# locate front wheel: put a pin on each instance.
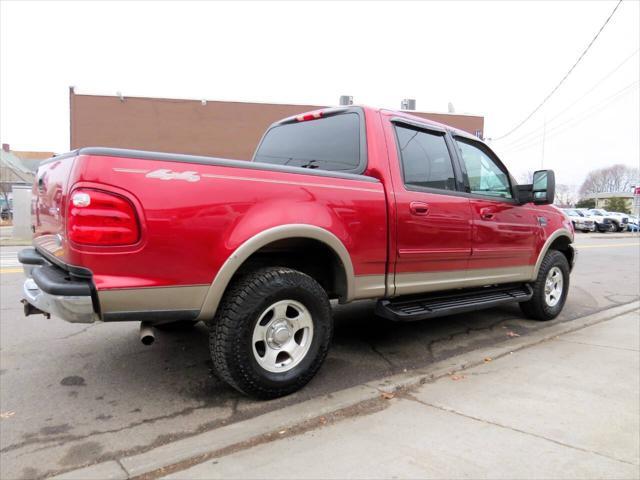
(271, 333)
(550, 288)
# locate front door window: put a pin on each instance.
(485, 175)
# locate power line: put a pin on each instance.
(597, 84)
(572, 122)
(575, 121)
(563, 78)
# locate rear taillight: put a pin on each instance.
(101, 218)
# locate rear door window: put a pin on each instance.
(331, 143)
(425, 159)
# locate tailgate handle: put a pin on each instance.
(419, 208)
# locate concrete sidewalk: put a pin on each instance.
(565, 408)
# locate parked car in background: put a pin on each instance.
(603, 223)
(619, 220)
(624, 219)
(580, 221)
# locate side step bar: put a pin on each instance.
(438, 305)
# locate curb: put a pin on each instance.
(154, 461)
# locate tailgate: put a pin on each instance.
(48, 207)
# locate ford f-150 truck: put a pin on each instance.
(340, 203)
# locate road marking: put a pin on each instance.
(611, 245)
(10, 270)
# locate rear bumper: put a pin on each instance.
(51, 290)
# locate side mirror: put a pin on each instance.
(544, 187)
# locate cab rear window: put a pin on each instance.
(331, 143)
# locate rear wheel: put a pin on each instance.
(550, 288)
(271, 333)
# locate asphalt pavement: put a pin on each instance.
(74, 395)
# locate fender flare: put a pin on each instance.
(255, 243)
(563, 232)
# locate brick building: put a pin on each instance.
(213, 128)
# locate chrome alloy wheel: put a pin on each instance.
(553, 286)
(282, 336)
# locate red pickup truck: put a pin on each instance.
(341, 203)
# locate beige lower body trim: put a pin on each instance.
(255, 243)
(563, 232)
(152, 298)
(369, 286)
(421, 282)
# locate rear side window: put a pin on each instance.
(331, 143)
(425, 159)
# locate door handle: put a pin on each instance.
(486, 214)
(419, 208)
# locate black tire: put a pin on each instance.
(537, 308)
(178, 326)
(230, 333)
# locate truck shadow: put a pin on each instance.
(365, 348)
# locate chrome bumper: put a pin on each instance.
(72, 308)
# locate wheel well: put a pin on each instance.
(306, 255)
(562, 245)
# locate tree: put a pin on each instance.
(586, 203)
(525, 177)
(616, 204)
(616, 178)
(565, 195)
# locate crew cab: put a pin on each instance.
(340, 203)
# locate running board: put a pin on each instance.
(438, 305)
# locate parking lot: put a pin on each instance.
(73, 395)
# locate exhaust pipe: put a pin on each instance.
(147, 333)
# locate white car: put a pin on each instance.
(581, 222)
(620, 220)
(624, 219)
(603, 223)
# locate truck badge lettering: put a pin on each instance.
(165, 174)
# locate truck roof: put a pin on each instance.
(396, 113)
(415, 118)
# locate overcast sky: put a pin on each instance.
(497, 59)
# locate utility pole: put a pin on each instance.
(544, 135)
